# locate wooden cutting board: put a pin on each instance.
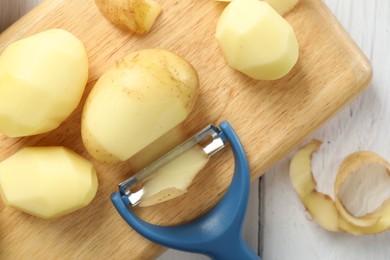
(271, 118)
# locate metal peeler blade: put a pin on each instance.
(215, 144)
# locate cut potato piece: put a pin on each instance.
(47, 182)
(281, 6)
(145, 95)
(256, 40)
(332, 214)
(135, 15)
(173, 179)
(42, 79)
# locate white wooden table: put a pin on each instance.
(277, 225)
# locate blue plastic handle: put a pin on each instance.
(218, 233)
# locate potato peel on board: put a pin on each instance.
(174, 178)
(332, 214)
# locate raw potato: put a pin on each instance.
(281, 6)
(256, 40)
(135, 15)
(332, 214)
(42, 79)
(47, 182)
(173, 179)
(145, 95)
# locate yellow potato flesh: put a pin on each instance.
(144, 122)
(47, 182)
(133, 104)
(256, 40)
(332, 214)
(42, 79)
(173, 179)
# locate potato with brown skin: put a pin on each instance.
(146, 94)
(135, 15)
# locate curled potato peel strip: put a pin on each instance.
(331, 214)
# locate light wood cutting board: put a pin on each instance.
(271, 118)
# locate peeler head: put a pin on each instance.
(218, 232)
(211, 139)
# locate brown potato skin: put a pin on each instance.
(126, 14)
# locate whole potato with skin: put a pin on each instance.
(145, 95)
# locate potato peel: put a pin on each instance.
(332, 214)
(173, 179)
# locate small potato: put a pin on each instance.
(256, 40)
(135, 15)
(47, 182)
(145, 95)
(42, 79)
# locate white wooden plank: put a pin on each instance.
(288, 232)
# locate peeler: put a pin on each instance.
(218, 233)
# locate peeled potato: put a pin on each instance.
(256, 40)
(42, 79)
(47, 182)
(173, 179)
(135, 15)
(145, 95)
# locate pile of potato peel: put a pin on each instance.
(333, 215)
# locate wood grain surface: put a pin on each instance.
(271, 118)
